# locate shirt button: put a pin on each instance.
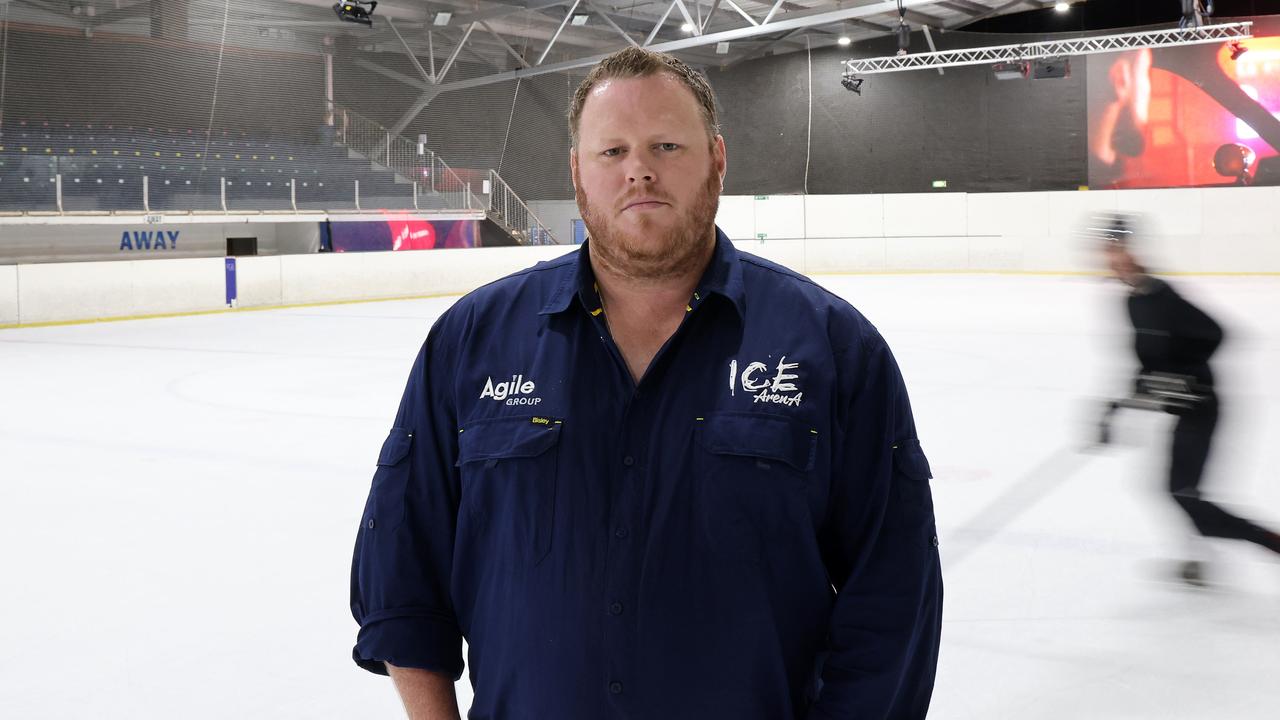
(615, 688)
(371, 523)
(628, 461)
(615, 609)
(934, 540)
(620, 532)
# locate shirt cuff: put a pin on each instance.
(410, 641)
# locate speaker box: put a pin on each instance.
(1052, 68)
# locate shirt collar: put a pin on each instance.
(723, 276)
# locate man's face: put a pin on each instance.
(646, 176)
(1123, 266)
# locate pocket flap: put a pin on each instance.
(759, 435)
(396, 447)
(508, 437)
(909, 457)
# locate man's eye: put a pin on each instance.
(612, 152)
(669, 147)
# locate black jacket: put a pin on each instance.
(1170, 334)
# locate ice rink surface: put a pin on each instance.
(180, 496)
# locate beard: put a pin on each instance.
(650, 252)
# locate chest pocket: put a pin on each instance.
(508, 473)
(753, 472)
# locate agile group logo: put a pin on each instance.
(766, 385)
(516, 391)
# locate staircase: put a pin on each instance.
(436, 185)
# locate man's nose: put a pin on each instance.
(639, 170)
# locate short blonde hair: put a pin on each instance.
(634, 62)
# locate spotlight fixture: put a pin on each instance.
(686, 28)
(1194, 13)
(1051, 68)
(903, 31)
(355, 11)
(1062, 7)
(843, 41)
(579, 19)
(1237, 49)
(851, 82)
(1015, 70)
(442, 19)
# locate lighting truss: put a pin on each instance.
(1056, 48)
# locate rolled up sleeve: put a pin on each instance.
(400, 593)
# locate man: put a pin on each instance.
(1174, 340)
(1120, 130)
(656, 478)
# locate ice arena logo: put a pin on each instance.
(767, 386)
(515, 391)
(149, 240)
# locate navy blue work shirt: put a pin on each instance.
(747, 533)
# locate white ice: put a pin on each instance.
(179, 497)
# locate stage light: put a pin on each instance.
(442, 19)
(843, 41)
(903, 32)
(1062, 7)
(355, 11)
(851, 82)
(579, 20)
(1194, 13)
(1016, 70)
(687, 28)
(1052, 67)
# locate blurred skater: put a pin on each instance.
(1174, 341)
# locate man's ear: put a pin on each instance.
(719, 157)
(573, 166)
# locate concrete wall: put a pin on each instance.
(1187, 230)
(558, 216)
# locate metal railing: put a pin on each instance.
(139, 196)
(436, 185)
(69, 185)
(508, 210)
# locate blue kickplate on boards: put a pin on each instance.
(231, 282)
